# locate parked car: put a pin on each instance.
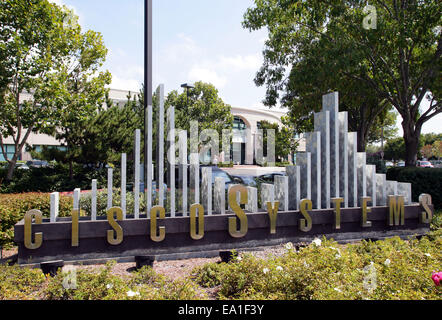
(37, 164)
(268, 177)
(401, 164)
(249, 180)
(130, 188)
(424, 164)
(216, 172)
(437, 163)
(21, 166)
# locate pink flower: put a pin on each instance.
(437, 278)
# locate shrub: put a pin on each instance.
(13, 207)
(17, 283)
(56, 178)
(423, 180)
(390, 269)
(100, 285)
(86, 201)
(144, 284)
(209, 275)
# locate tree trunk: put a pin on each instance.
(11, 167)
(362, 138)
(411, 138)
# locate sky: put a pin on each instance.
(193, 40)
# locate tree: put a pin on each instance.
(430, 138)
(384, 128)
(44, 53)
(104, 136)
(394, 149)
(33, 42)
(426, 151)
(83, 90)
(397, 63)
(285, 142)
(111, 133)
(437, 149)
(201, 104)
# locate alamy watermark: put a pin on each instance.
(370, 279)
(371, 18)
(69, 278)
(206, 144)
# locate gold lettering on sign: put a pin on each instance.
(272, 210)
(365, 211)
(397, 210)
(193, 230)
(28, 229)
(115, 236)
(238, 211)
(74, 233)
(305, 225)
(426, 216)
(337, 202)
(161, 213)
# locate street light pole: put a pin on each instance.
(187, 86)
(147, 86)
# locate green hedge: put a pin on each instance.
(14, 206)
(423, 180)
(51, 179)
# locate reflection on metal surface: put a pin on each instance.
(397, 210)
(193, 230)
(112, 238)
(426, 216)
(273, 214)
(238, 211)
(337, 204)
(155, 213)
(305, 225)
(28, 229)
(365, 211)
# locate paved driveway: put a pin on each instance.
(249, 170)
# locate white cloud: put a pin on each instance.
(207, 75)
(239, 62)
(125, 83)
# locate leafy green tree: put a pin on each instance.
(285, 141)
(83, 90)
(34, 40)
(45, 54)
(394, 149)
(427, 151)
(430, 138)
(320, 46)
(201, 104)
(384, 128)
(111, 133)
(437, 149)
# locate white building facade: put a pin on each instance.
(243, 145)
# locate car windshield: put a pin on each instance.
(221, 174)
(425, 163)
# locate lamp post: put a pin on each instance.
(147, 93)
(187, 86)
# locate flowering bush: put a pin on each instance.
(389, 269)
(437, 277)
(24, 283)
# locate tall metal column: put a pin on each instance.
(147, 101)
